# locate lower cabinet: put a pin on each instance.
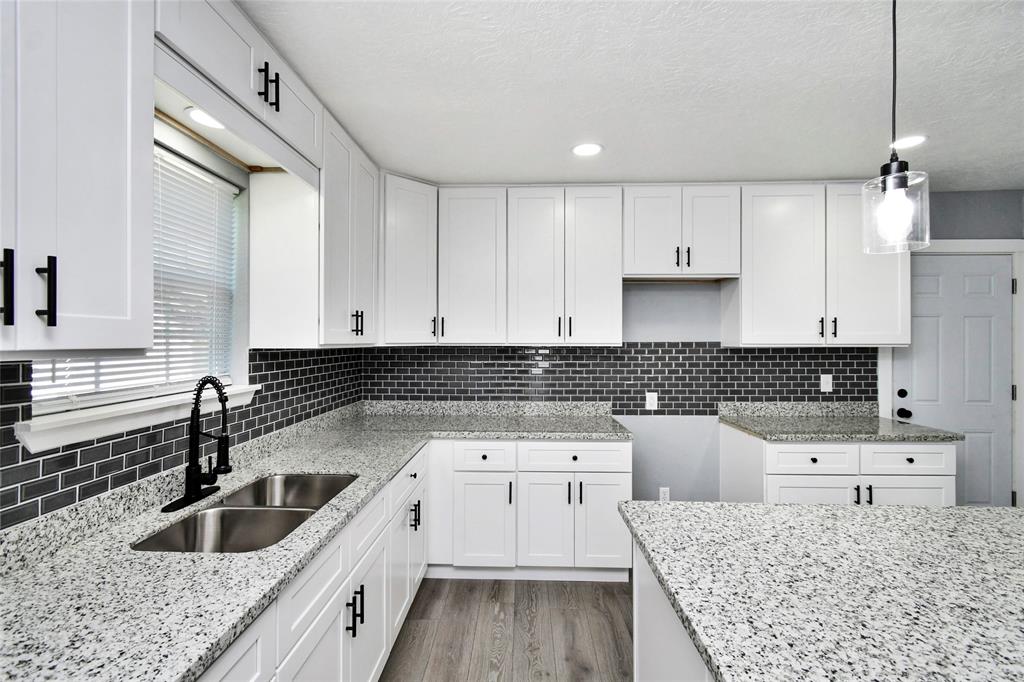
(602, 539)
(367, 639)
(407, 556)
(253, 656)
(318, 653)
(920, 491)
(484, 515)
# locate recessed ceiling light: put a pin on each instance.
(908, 142)
(587, 149)
(203, 118)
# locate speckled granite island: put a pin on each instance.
(76, 602)
(797, 592)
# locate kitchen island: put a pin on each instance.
(801, 592)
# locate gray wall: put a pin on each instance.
(977, 215)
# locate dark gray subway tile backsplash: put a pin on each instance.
(690, 378)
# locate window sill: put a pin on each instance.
(54, 430)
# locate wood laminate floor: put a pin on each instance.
(475, 630)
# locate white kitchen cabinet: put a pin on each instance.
(250, 658)
(920, 491)
(867, 295)
(362, 262)
(601, 537)
(410, 261)
(784, 489)
(484, 519)
(545, 527)
(472, 264)
(367, 638)
(652, 230)
(593, 265)
(318, 655)
(711, 231)
(291, 109)
(536, 264)
(83, 196)
(400, 588)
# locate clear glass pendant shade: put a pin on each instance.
(895, 213)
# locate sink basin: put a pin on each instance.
(311, 491)
(226, 529)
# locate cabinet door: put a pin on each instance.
(536, 264)
(811, 489)
(217, 38)
(484, 519)
(918, 491)
(366, 649)
(472, 256)
(593, 264)
(652, 230)
(602, 539)
(318, 655)
(362, 265)
(336, 315)
(84, 171)
(544, 527)
(783, 283)
(250, 658)
(399, 578)
(410, 261)
(418, 539)
(867, 295)
(298, 115)
(711, 230)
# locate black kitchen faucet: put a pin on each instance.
(195, 479)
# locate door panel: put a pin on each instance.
(536, 264)
(811, 489)
(918, 491)
(298, 118)
(602, 539)
(957, 371)
(593, 265)
(367, 652)
(410, 261)
(363, 260)
(418, 539)
(336, 322)
(484, 519)
(545, 519)
(399, 581)
(652, 230)
(317, 655)
(711, 230)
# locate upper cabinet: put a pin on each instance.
(593, 265)
(217, 38)
(410, 261)
(806, 281)
(77, 224)
(472, 254)
(536, 264)
(690, 232)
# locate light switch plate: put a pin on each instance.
(826, 383)
(663, 495)
(651, 400)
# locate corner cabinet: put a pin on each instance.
(410, 262)
(77, 224)
(806, 280)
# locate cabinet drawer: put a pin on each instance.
(485, 455)
(366, 526)
(405, 480)
(562, 456)
(916, 459)
(305, 597)
(811, 458)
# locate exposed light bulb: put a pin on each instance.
(203, 118)
(895, 216)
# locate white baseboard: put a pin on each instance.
(606, 575)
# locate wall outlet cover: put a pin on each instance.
(826, 383)
(651, 400)
(663, 495)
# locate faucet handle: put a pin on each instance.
(223, 466)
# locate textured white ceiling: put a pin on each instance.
(676, 91)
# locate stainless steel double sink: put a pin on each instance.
(253, 517)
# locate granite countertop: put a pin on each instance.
(823, 422)
(77, 602)
(800, 592)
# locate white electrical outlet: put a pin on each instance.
(663, 494)
(826, 383)
(651, 401)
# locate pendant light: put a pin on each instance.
(895, 204)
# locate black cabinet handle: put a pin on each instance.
(510, 492)
(355, 321)
(814, 460)
(835, 327)
(265, 72)
(442, 325)
(568, 490)
(570, 325)
(50, 273)
(821, 327)
(415, 523)
(483, 456)
(433, 326)
(362, 604)
(559, 325)
(276, 80)
(354, 627)
(413, 474)
(910, 460)
(362, 322)
(687, 256)
(904, 413)
(581, 492)
(856, 491)
(7, 311)
(575, 457)
(677, 256)
(871, 495)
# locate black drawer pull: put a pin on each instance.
(50, 273)
(687, 256)
(483, 456)
(574, 458)
(910, 460)
(871, 494)
(856, 491)
(413, 474)
(569, 491)
(677, 256)
(814, 460)
(8, 283)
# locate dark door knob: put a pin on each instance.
(904, 413)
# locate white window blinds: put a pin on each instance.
(194, 235)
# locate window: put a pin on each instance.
(195, 231)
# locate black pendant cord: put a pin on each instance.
(894, 156)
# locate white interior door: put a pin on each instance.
(783, 292)
(652, 230)
(544, 527)
(472, 263)
(867, 295)
(602, 539)
(484, 519)
(336, 321)
(536, 264)
(711, 230)
(956, 374)
(593, 265)
(410, 261)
